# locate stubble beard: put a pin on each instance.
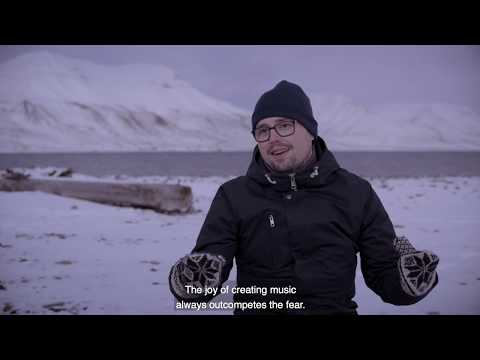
(291, 165)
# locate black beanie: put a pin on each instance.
(286, 100)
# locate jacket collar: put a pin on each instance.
(315, 175)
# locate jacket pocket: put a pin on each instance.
(265, 240)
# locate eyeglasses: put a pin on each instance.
(283, 129)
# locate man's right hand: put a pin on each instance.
(200, 270)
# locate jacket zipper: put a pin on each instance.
(293, 184)
(272, 221)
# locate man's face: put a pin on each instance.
(285, 153)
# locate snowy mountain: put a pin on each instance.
(51, 103)
(348, 126)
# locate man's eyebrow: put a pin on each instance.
(277, 121)
(283, 120)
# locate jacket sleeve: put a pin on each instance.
(218, 234)
(378, 256)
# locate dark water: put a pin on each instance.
(367, 164)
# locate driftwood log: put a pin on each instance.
(165, 198)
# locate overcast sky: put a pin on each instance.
(368, 74)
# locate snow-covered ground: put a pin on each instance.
(52, 103)
(67, 256)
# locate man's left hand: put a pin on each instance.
(417, 268)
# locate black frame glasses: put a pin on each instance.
(276, 127)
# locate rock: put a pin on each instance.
(14, 175)
(55, 307)
(7, 307)
(64, 262)
(66, 173)
(60, 236)
(152, 262)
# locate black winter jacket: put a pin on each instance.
(304, 231)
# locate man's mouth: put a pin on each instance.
(279, 151)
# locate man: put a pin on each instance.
(297, 221)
